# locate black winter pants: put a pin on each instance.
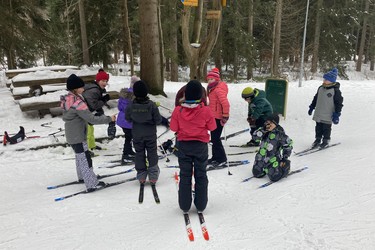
(323, 130)
(128, 149)
(143, 145)
(218, 152)
(192, 159)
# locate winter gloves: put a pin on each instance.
(251, 121)
(106, 98)
(310, 110)
(111, 130)
(335, 117)
(224, 120)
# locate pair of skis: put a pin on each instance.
(271, 182)
(111, 184)
(314, 150)
(154, 193)
(234, 134)
(98, 176)
(242, 153)
(210, 167)
(189, 229)
(202, 221)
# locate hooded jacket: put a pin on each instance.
(76, 115)
(218, 100)
(144, 114)
(192, 122)
(93, 95)
(126, 97)
(259, 107)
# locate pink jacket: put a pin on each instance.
(218, 100)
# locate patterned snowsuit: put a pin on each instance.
(275, 146)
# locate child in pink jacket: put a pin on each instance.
(218, 102)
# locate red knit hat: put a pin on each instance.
(214, 74)
(101, 75)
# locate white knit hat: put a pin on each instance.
(133, 79)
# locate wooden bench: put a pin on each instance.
(54, 83)
(13, 72)
(51, 100)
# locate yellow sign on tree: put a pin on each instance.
(190, 2)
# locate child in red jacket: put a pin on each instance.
(192, 121)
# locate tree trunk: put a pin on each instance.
(217, 52)
(127, 36)
(363, 37)
(250, 30)
(150, 46)
(174, 45)
(82, 22)
(276, 39)
(372, 46)
(318, 22)
(197, 56)
(196, 37)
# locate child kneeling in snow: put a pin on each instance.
(274, 151)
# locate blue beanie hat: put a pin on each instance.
(331, 76)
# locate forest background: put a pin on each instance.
(245, 39)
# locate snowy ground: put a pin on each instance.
(328, 206)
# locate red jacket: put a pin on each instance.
(218, 100)
(192, 122)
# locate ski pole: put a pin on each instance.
(164, 152)
(170, 110)
(225, 139)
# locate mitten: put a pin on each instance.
(106, 98)
(157, 104)
(310, 110)
(285, 162)
(251, 121)
(224, 120)
(111, 130)
(335, 117)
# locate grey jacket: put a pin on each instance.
(76, 115)
(326, 101)
(145, 116)
(93, 95)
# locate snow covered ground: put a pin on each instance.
(329, 206)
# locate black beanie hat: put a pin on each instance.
(74, 82)
(140, 89)
(274, 118)
(193, 91)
